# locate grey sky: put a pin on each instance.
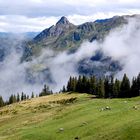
(35, 15)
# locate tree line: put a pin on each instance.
(14, 98)
(107, 87)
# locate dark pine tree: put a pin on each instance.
(92, 85)
(69, 85)
(134, 88)
(1, 102)
(32, 96)
(18, 97)
(84, 85)
(107, 87)
(138, 85)
(116, 88)
(27, 97)
(45, 91)
(64, 89)
(12, 99)
(101, 89)
(79, 84)
(111, 93)
(22, 96)
(125, 87)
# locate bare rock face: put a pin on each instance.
(61, 27)
(63, 21)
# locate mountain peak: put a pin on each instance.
(63, 20)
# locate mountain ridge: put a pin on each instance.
(55, 30)
(67, 36)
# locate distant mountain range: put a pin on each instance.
(26, 35)
(65, 35)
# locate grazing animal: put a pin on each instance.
(61, 129)
(105, 108)
(135, 107)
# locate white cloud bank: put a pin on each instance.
(124, 45)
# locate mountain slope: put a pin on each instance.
(68, 35)
(64, 35)
(86, 118)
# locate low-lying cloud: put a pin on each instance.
(124, 45)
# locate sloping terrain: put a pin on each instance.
(67, 36)
(71, 116)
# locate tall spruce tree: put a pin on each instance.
(125, 87)
(84, 85)
(69, 85)
(138, 85)
(111, 86)
(22, 96)
(101, 89)
(32, 96)
(134, 88)
(107, 87)
(79, 84)
(12, 99)
(116, 88)
(46, 91)
(18, 97)
(1, 102)
(92, 85)
(63, 89)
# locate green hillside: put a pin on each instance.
(71, 116)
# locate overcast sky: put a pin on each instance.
(36, 15)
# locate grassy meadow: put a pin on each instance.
(71, 116)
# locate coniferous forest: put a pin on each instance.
(107, 87)
(17, 97)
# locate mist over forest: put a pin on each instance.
(53, 67)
